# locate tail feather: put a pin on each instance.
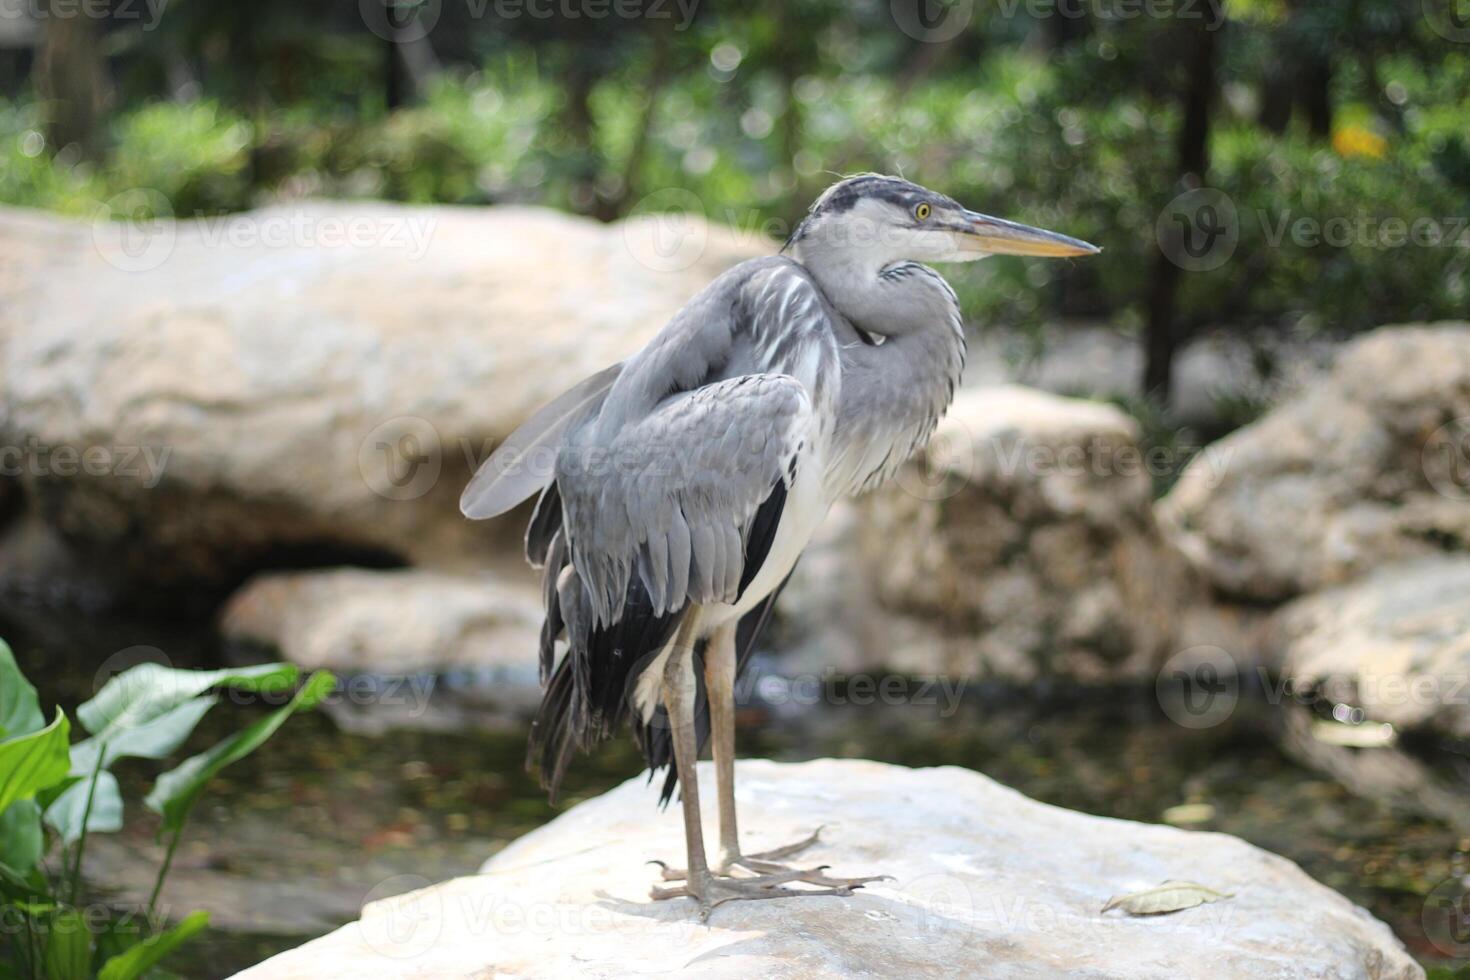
(589, 694)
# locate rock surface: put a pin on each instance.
(467, 643)
(988, 884)
(199, 399)
(1021, 544)
(1395, 643)
(1369, 466)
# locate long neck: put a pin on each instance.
(895, 391)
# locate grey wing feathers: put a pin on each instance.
(523, 464)
(671, 497)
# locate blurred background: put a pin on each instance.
(283, 411)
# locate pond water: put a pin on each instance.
(289, 842)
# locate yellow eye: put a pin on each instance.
(921, 212)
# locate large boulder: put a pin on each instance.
(1394, 644)
(1020, 544)
(987, 883)
(203, 398)
(415, 647)
(1368, 466)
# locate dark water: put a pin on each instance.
(289, 842)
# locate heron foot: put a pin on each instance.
(711, 891)
(761, 862)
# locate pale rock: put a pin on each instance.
(1395, 643)
(310, 377)
(987, 884)
(1020, 544)
(1368, 466)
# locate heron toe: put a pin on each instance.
(712, 891)
(761, 862)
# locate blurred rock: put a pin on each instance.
(1369, 466)
(987, 883)
(199, 400)
(1395, 644)
(469, 632)
(1021, 544)
(1406, 781)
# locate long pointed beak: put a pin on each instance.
(997, 236)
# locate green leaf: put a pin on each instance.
(32, 762)
(143, 693)
(174, 794)
(19, 886)
(147, 954)
(20, 835)
(152, 739)
(68, 947)
(64, 811)
(20, 712)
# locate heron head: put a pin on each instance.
(876, 220)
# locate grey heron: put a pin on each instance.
(678, 488)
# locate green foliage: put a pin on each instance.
(150, 952)
(195, 154)
(1078, 133)
(176, 791)
(148, 712)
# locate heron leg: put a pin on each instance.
(700, 883)
(720, 665)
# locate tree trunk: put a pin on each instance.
(72, 80)
(1194, 161)
(1314, 88)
